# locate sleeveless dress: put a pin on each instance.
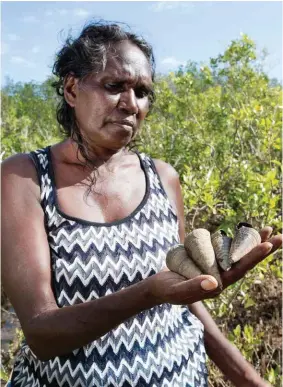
(159, 347)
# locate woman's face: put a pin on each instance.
(111, 105)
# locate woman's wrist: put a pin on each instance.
(151, 295)
(252, 379)
(260, 383)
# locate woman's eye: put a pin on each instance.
(142, 92)
(114, 87)
(117, 87)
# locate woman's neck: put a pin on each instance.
(71, 153)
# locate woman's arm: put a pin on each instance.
(26, 274)
(225, 355)
(219, 349)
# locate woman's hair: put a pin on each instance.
(83, 56)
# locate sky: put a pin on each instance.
(179, 31)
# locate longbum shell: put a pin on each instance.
(177, 260)
(221, 244)
(245, 239)
(199, 248)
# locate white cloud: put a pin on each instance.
(35, 49)
(30, 19)
(172, 62)
(13, 37)
(80, 12)
(21, 60)
(160, 6)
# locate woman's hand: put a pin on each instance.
(256, 255)
(172, 288)
(169, 287)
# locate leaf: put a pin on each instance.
(271, 376)
(3, 374)
(237, 331)
(249, 302)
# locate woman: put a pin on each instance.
(86, 227)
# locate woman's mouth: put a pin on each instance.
(124, 124)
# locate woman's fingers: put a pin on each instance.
(249, 261)
(195, 289)
(265, 233)
(181, 291)
(276, 241)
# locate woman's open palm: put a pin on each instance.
(173, 288)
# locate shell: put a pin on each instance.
(177, 260)
(245, 239)
(221, 244)
(199, 248)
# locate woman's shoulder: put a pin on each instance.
(20, 162)
(19, 170)
(165, 170)
(170, 181)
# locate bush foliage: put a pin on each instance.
(219, 126)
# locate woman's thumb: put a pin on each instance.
(209, 283)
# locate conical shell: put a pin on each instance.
(245, 239)
(199, 248)
(177, 260)
(221, 244)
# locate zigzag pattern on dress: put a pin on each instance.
(160, 347)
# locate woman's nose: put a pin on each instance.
(128, 101)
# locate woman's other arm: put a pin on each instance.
(225, 355)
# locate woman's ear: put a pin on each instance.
(70, 90)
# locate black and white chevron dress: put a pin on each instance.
(159, 347)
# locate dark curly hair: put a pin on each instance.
(84, 55)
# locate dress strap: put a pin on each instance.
(155, 182)
(40, 159)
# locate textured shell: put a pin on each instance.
(177, 260)
(245, 239)
(199, 248)
(221, 244)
